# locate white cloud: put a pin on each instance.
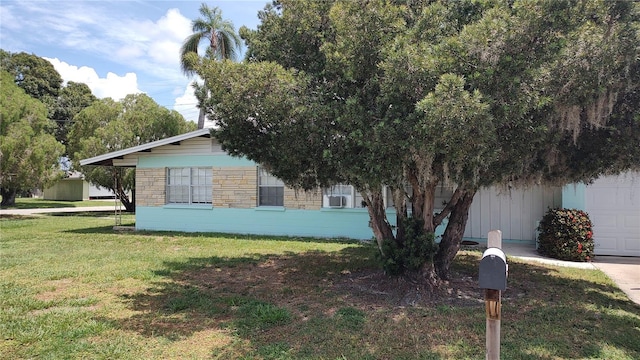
(113, 86)
(165, 52)
(9, 20)
(151, 46)
(186, 104)
(117, 31)
(63, 23)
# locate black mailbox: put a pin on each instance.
(493, 270)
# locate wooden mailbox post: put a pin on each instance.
(493, 278)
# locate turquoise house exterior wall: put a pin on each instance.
(280, 221)
(345, 223)
(325, 223)
(574, 197)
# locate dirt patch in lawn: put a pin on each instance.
(373, 287)
(317, 279)
(59, 289)
(315, 288)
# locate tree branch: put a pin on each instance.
(437, 219)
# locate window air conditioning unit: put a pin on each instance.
(337, 201)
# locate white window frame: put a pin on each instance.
(352, 198)
(272, 185)
(189, 186)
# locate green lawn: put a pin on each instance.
(73, 288)
(36, 203)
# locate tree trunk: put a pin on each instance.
(8, 197)
(426, 277)
(129, 206)
(428, 207)
(379, 224)
(417, 196)
(452, 237)
(422, 201)
(201, 119)
(429, 276)
(437, 219)
(400, 203)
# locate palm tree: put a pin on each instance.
(224, 43)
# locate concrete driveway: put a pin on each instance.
(624, 271)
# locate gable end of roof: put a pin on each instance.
(107, 159)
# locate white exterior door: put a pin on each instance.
(613, 204)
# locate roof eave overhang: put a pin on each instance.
(108, 159)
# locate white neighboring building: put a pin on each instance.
(75, 188)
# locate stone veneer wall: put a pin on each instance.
(150, 186)
(302, 200)
(235, 187)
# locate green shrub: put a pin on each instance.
(417, 249)
(566, 234)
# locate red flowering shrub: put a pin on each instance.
(566, 234)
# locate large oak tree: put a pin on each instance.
(29, 154)
(415, 94)
(39, 79)
(71, 99)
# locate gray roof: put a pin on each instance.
(107, 159)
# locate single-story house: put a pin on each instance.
(188, 183)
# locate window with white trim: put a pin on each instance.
(270, 189)
(341, 196)
(189, 186)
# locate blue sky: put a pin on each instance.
(116, 47)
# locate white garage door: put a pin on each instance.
(613, 204)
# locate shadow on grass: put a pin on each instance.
(257, 297)
(40, 205)
(17, 217)
(94, 214)
(297, 304)
(181, 234)
(85, 214)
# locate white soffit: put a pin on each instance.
(117, 157)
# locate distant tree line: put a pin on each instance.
(45, 123)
